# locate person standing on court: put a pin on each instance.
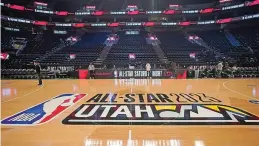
(174, 68)
(219, 67)
(37, 70)
(197, 72)
(148, 67)
(91, 69)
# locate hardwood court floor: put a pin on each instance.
(18, 95)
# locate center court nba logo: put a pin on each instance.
(43, 112)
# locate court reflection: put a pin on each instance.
(137, 82)
(7, 92)
(75, 87)
(114, 142)
(199, 143)
(172, 142)
(255, 92)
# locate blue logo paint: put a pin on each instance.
(43, 112)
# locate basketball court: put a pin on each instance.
(127, 112)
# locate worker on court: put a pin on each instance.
(37, 70)
(91, 68)
(148, 67)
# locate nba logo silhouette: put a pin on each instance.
(43, 112)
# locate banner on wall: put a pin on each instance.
(126, 74)
(111, 74)
(4, 56)
(82, 73)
